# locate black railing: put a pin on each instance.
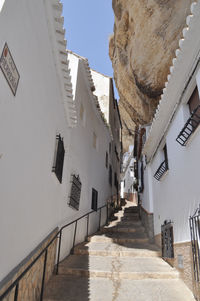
(189, 128)
(194, 222)
(15, 284)
(162, 169)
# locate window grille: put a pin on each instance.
(164, 167)
(59, 158)
(75, 192)
(94, 199)
(167, 240)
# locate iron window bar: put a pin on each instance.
(58, 235)
(74, 198)
(162, 169)
(194, 222)
(189, 128)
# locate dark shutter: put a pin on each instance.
(94, 199)
(59, 159)
(106, 160)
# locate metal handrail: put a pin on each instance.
(45, 251)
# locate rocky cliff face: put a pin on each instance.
(146, 35)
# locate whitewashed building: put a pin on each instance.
(128, 179)
(171, 196)
(104, 92)
(54, 141)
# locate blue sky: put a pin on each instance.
(88, 24)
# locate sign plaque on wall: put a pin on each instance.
(9, 69)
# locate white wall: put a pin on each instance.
(82, 158)
(105, 93)
(30, 193)
(32, 200)
(177, 195)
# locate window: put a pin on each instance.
(94, 140)
(94, 199)
(59, 158)
(116, 180)
(106, 160)
(163, 168)
(194, 120)
(75, 194)
(110, 175)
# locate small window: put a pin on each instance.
(94, 141)
(116, 180)
(110, 175)
(106, 160)
(124, 183)
(59, 158)
(94, 199)
(75, 194)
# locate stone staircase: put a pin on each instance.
(118, 263)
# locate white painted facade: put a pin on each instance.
(177, 195)
(127, 176)
(32, 200)
(109, 106)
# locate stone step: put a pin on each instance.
(117, 267)
(110, 249)
(129, 218)
(126, 214)
(71, 288)
(131, 210)
(123, 228)
(119, 237)
(129, 223)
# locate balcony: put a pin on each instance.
(189, 128)
(162, 169)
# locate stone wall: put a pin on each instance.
(147, 221)
(30, 284)
(183, 262)
(146, 35)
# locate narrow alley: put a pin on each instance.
(99, 150)
(118, 263)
